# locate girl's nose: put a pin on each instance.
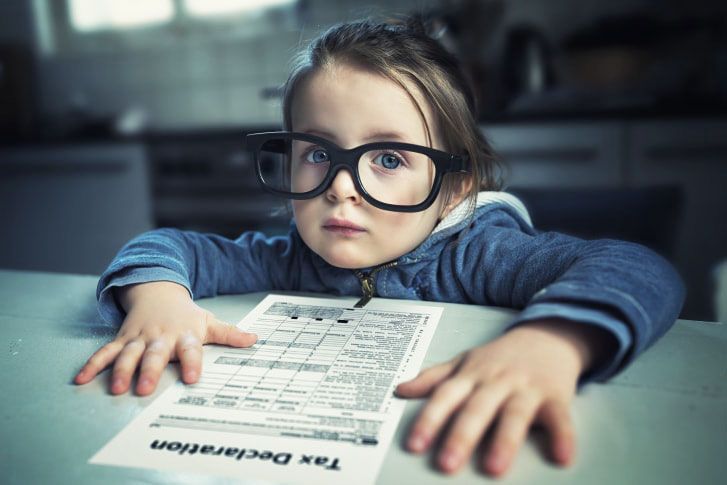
(343, 188)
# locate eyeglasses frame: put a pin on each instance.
(340, 158)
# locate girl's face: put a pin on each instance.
(350, 107)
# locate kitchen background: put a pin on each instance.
(117, 116)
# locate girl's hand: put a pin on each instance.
(526, 376)
(162, 324)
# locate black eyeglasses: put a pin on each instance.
(393, 176)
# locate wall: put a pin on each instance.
(216, 81)
(15, 21)
(194, 82)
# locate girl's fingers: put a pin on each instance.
(427, 379)
(555, 416)
(125, 365)
(470, 424)
(189, 354)
(99, 361)
(445, 400)
(513, 424)
(225, 334)
(155, 358)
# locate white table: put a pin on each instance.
(664, 420)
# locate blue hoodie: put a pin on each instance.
(492, 257)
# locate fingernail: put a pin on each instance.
(449, 459)
(496, 462)
(144, 382)
(117, 384)
(417, 442)
(562, 453)
(190, 376)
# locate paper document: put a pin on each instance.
(311, 402)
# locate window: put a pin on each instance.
(96, 15)
(85, 26)
(93, 15)
(209, 8)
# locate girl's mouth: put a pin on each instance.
(343, 227)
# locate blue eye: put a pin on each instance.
(388, 161)
(317, 156)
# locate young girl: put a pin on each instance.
(394, 194)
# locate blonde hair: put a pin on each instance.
(403, 52)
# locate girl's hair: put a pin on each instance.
(403, 52)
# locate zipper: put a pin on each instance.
(368, 283)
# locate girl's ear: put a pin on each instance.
(465, 186)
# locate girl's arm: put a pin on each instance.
(624, 289)
(148, 289)
(590, 308)
(205, 264)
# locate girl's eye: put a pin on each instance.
(388, 160)
(317, 156)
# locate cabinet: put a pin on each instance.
(70, 207)
(563, 155)
(619, 160)
(206, 182)
(692, 156)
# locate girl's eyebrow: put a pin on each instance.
(386, 135)
(320, 133)
(375, 136)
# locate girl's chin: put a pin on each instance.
(350, 261)
(345, 262)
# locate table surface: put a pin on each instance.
(663, 420)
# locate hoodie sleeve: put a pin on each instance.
(623, 288)
(205, 264)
